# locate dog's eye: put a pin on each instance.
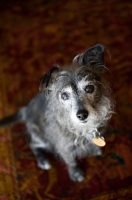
(65, 96)
(89, 89)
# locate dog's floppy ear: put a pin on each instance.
(49, 78)
(92, 57)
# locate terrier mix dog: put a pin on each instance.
(71, 105)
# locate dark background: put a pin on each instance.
(34, 35)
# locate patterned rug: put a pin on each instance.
(35, 34)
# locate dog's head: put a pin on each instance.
(81, 94)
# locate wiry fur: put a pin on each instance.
(53, 123)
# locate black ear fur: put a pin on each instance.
(93, 57)
(48, 78)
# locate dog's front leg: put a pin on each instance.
(75, 173)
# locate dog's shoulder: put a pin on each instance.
(36, 105)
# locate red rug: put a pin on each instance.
(33, 36)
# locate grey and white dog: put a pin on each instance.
(73, 102)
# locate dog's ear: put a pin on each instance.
(49, 78)
(92, 57)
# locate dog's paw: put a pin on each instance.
(76, 174)
(44, 164)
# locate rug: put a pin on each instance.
(34, 35)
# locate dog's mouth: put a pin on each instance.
(83, 122)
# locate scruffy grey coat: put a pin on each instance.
(73, 103)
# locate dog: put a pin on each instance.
(72, 103)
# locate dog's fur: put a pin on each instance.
(72, 104)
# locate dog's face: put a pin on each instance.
(80, 93)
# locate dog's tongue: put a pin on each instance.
(97, 139)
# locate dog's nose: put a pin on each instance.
(82, 114)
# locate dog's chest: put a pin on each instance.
(80, 146)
